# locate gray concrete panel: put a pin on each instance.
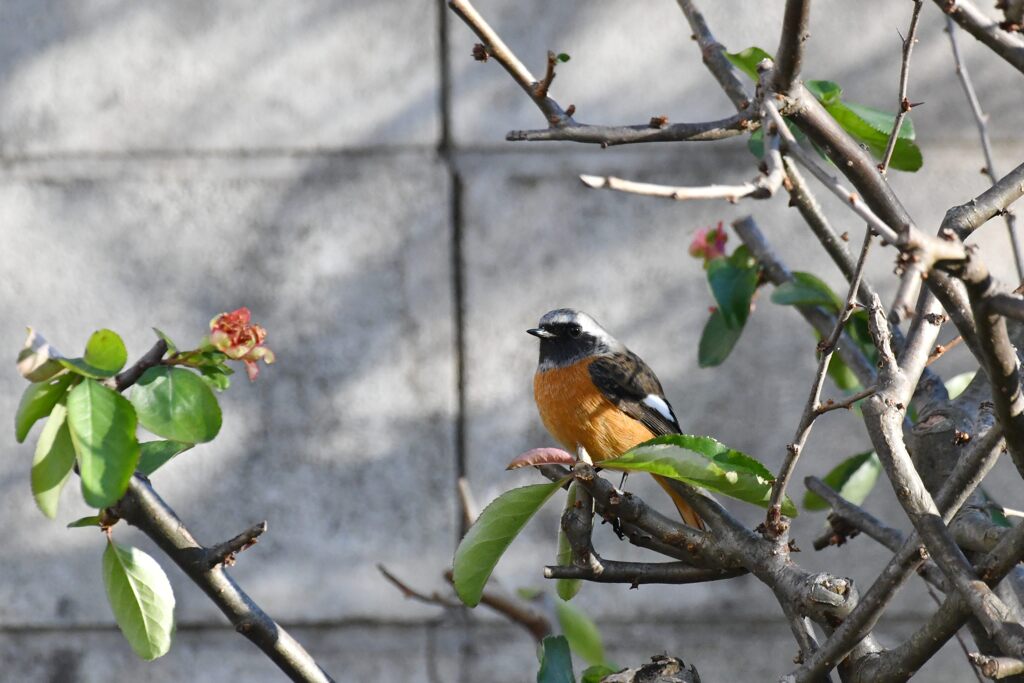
(107, 76)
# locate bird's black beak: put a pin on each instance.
(540, 333)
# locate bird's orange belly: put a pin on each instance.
(578, 414)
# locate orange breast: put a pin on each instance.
(577, 413)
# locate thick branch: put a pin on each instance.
(636, 573)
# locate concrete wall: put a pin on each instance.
(162, 162)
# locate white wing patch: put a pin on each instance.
(661, 405)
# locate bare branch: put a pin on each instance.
(790, 54)
(1009, 305)
(495, 47)
(408, 591)
(713, 54)
(903, 105)
(811, 406)
(515, 611)
(997, 667)
(131, 375)
(981, 120)
(1007, 45)
(143, 508)
(966, 218)
(608, 136)
(636, 573)
(224, 553)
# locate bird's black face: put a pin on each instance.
(563, 342)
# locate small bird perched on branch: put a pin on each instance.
(598, 398)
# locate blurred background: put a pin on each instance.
(340, 168)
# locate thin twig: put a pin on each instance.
(1007, 45)
(811, 412)
(495, 47)
(608, 136)
(941, 349)
(997, 667)
(981, 121)
(902, 102)
(408, 591)
(515, 611)
(225, 553)
(847, 403)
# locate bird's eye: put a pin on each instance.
(575, 330)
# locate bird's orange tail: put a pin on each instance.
(688, 514)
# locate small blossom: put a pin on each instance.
(709, 243)
(237, 337)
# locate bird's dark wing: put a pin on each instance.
(626, 381)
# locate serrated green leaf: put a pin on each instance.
(53, 462)
(705, 462)
(853, 479)
(176, 404)
(566, 588)
(596, 673)
(581, 632)
(958, 383)
(716, 341)
(747, 60)
(555, 661)
(36, 403)
(806, 289)
(141, 598)
(155, 454)
(91, 520)
(733, 287)
(491, 534)
(102, 424)
(171, 346)
(105, 355)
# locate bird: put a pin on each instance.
(598, 398)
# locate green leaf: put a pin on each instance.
(705, 462)
(216, 376)
(955, 385)
(104, 357)
(563, 57)
(141, 597)
(53, 462)
(827, 92)
(36, 403)
(806, 289)
(596, 673)
(102, 424)
(91, 520)
(581, 632)
(555, 661)
(747, 60)
(566, 588)
(853, 479)
(171, 346)
(716, 341)
(733, 287)
(156, 453)
(491, 534)
(176, 404)
(870, 126)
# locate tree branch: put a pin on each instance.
(981, 121)
(608, 136)
(143, 508)
(789, 56)
(1007, 45)
(713, 54)
(636, 573)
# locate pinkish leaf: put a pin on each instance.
(542, 456)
